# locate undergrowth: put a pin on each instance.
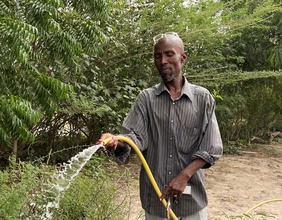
(23, 195)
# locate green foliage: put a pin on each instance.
(81, 63)
(259, 42)
(230, 78)
(15, 117)
(91, 195)
(41, 43)
(18, 183)
(250, 108)
(234, 147)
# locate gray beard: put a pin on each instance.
(167, 78)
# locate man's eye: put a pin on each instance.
(157, 56)
(169, 54)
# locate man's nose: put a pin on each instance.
(163, 59)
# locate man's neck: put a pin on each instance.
(174, 87)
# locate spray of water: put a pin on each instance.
(63, 179)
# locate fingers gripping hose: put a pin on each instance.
(147, 169)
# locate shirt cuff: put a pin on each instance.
(204, 155)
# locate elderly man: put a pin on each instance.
(174, 125)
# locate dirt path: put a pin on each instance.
(234, 185)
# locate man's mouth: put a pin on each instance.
(165, 69)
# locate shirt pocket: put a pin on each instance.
(188, 139)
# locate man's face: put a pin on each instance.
(168, 57)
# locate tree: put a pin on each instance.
(97, 55)
(42, 42)
(259, 44)
(221, 38)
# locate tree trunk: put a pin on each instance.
(274, 135)
(15, 148)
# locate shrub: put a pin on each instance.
(23, 194)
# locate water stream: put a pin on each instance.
(62, 179)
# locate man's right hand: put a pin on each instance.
(112, 143)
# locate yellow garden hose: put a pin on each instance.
(147, 169)
(152, 179)
(260, 204)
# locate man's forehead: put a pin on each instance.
(169, 43)
(167, 47)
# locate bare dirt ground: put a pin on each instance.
(235, 184)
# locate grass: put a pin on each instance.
(90, 196)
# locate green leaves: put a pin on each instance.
(42, 48)
(99, 53)
(16, 115)
(275, 57)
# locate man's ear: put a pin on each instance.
(183, 57)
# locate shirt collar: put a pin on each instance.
(186, 89)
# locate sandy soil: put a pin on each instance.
(235, 184)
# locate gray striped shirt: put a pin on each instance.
(171, 134)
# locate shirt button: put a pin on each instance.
(170, 155)
(171, 121)
(169, 172)
(170, 139)
(173, 103)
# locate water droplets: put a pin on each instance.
(62, 180)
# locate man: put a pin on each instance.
(175, 127)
